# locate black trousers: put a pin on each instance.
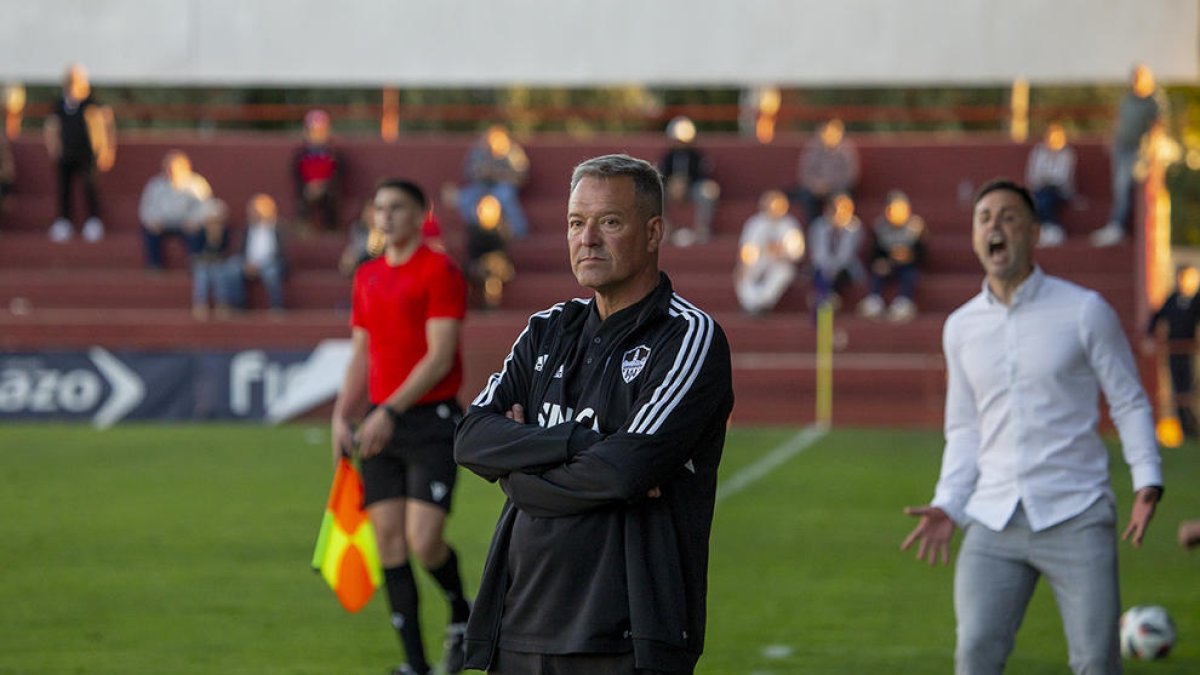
(85, 169)
(522, 663)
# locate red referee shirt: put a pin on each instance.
(392, 304)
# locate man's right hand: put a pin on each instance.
(933, 531)
(343, 439)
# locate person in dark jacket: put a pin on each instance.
(604, 429)
(1180, 312)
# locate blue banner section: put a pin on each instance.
(103, 388)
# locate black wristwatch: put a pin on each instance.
(1158, 490)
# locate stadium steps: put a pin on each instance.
(78, 294)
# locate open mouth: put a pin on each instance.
(996, 244)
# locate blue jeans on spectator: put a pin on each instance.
(1122, 181)
(270, 274)
(152, 243)
(1047, 201)
(209, 280)
(906, 275)
(506, 193)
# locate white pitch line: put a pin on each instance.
(771, 461)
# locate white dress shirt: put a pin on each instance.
(1022, 405)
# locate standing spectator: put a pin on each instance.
(771, 244)
(1140, 109)
(828, 166)
(170, 206)
(1180, 311)
(605, 430)
(262, 256)
(685, 173)
(1024, 470)
(81, 138)
(1050, 176)
(316, 169)
(209, 280)
(895, 255)
(834, 240)
(399, 390)
(496, 166)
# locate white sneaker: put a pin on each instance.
(871, 306)
(1052, 235)
(1109, 235)
(93, 230)
(902, 310)
(61, 231)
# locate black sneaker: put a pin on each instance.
(405, 669)
(455, 647)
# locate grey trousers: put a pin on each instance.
(995, 576)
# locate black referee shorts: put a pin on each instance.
(418, 461)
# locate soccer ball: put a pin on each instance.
(1147, 633)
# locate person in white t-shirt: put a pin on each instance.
(771, 244)
(262, 255)
(1024, 470)
(1050, 176)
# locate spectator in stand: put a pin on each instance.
(488, 264)
(364, 243)
(8, 170)
(1050, 176)
(496, 166)
(81, 138)
(834, 240)
(1181, 312)
(771, 244)
(1140, 109)
(208, 261)
(316, 169)
(170, 206)
(685, 172)
(828, 166)
(262, 255)
(895, 255)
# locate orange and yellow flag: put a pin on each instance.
(345, 553)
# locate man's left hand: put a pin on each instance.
(374, 433)
(1144, 503)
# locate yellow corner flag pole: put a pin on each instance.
(824, 365)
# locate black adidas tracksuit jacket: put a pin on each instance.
(653, 393)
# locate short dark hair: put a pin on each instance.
(406, 186)
(997, 184)
(647, 183)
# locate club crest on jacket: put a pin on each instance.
(633, 361)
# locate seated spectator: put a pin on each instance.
(895, 255)
(834, 240)
(685, 173)
(316, 168)
(362, 235)
(8, 170)
(488, 264)
(496, 166)
(1050, 176)
(771, 244)
(828, 166)
(262, 256)
(170, 206)
(208, 261)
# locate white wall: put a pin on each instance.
(596, 42)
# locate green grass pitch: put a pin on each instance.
(184, 550)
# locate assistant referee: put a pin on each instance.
(408, 305)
